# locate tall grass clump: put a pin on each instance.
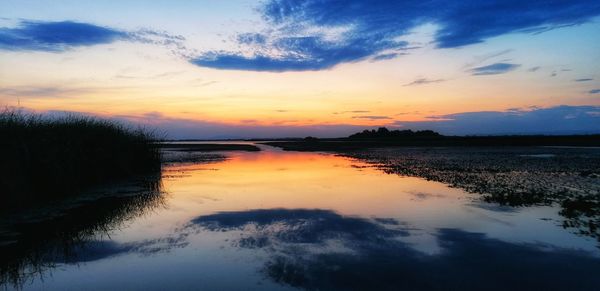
(43, 157)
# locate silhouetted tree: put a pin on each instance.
(384, 133)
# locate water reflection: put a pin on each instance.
(321, 250)
(33, 245)
(263, 227)
(513, 176)
(277, 220)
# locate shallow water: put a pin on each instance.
(275, 220)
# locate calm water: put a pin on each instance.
(275, 220)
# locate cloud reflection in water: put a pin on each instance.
(368, 254)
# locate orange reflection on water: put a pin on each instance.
(273, 179)
(295, 180)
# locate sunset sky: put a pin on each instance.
(280, 68)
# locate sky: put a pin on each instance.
(326, 68)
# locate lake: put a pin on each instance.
(278, 220)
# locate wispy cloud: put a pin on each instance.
(584, 80)
(552, 120)
(383, 57)
(486, 57)
(320, 34)
(160, 76)
(534, 69)
(531, 120)
(303, 53)
(493, 69)
(352, 111)
(371, 117)
(41, 91)
(423, 81)
(190, 128)
(594, 91)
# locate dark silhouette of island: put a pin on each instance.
(384, 134)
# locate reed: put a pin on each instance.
(45, 158)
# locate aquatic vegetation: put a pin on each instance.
(583, 214)
(512, 176)
(43, 158)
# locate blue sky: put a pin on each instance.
(228, 68)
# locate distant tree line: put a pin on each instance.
(384, 133)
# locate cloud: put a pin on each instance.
(553, 120)
(303, 53)
(484, 58)
(534, 69)
(493, 69)
(56, 36)
(180, 128)
(423, 81)
(251, 38)
(352, 111)
(594, 91)
(41, 91)
(61, 36)
(10, 94)
(372, 117)
(320, 34)
(584, 80)
(383, 57)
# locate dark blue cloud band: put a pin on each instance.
(56, 36)
(371, 29)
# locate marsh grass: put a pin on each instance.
(45, 158)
